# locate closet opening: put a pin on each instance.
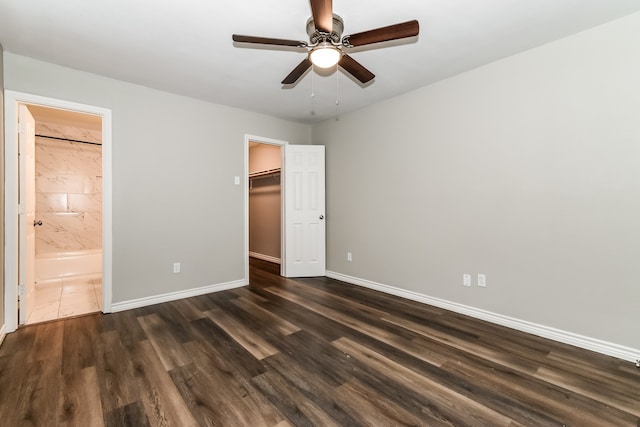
(265, 201)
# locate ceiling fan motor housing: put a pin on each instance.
(316, 36)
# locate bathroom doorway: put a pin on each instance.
(63, 269)
(15, 210)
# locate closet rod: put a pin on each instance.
(68, 139)
(264, 173)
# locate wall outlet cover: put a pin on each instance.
(482, 280)
(466, 280)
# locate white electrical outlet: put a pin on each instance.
(466, 280)
(482, 280)
(236, 180)
(349, 257)
(176, 267)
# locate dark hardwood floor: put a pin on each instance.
(307, 352)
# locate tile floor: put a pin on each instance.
(66, 298)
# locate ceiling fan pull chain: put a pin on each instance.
(313, 71)
(337, 87)
(313, 93)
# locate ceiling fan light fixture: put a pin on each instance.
(325, 55)
(327, 47)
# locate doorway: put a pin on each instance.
(264, 200)
(81, 205)
(63, 274)
(302, 208)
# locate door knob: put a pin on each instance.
(36, 223)
(321, 216)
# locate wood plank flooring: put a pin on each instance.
(306, 352)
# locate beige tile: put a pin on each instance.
(92, 184)
(51, 202)
(77, 287)
(78, 309)
(87, 295)
(48, 284)
(44, 312)
(47, 294)
(85, 202)
(59, 241)
(60, 183)
(74, 304)
(71, 231)
(98, 291)
(70, 297)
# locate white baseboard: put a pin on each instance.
(3, 333)
(593, 344)
(264, 257)
(172, 296)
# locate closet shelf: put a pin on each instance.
(265, 173)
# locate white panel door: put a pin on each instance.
(304, 211)
(26, 273)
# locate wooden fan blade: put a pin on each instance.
(322, 12)
(392, 32)
(356, 69)
(297, 72)
(266, 40)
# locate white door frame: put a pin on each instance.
(11, 256)
(27, 196)
(262, 140)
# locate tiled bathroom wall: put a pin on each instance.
(68, 189)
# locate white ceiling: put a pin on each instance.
(185, 46)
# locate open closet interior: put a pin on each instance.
(265, 204)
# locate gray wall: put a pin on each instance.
(526, 170)
(1, 188)
(174, 162)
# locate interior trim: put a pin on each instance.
(588, 343)
(265, 257)
(172, 296)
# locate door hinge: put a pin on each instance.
(21, 209)
(21, 290)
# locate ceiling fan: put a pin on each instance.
(326, 46)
